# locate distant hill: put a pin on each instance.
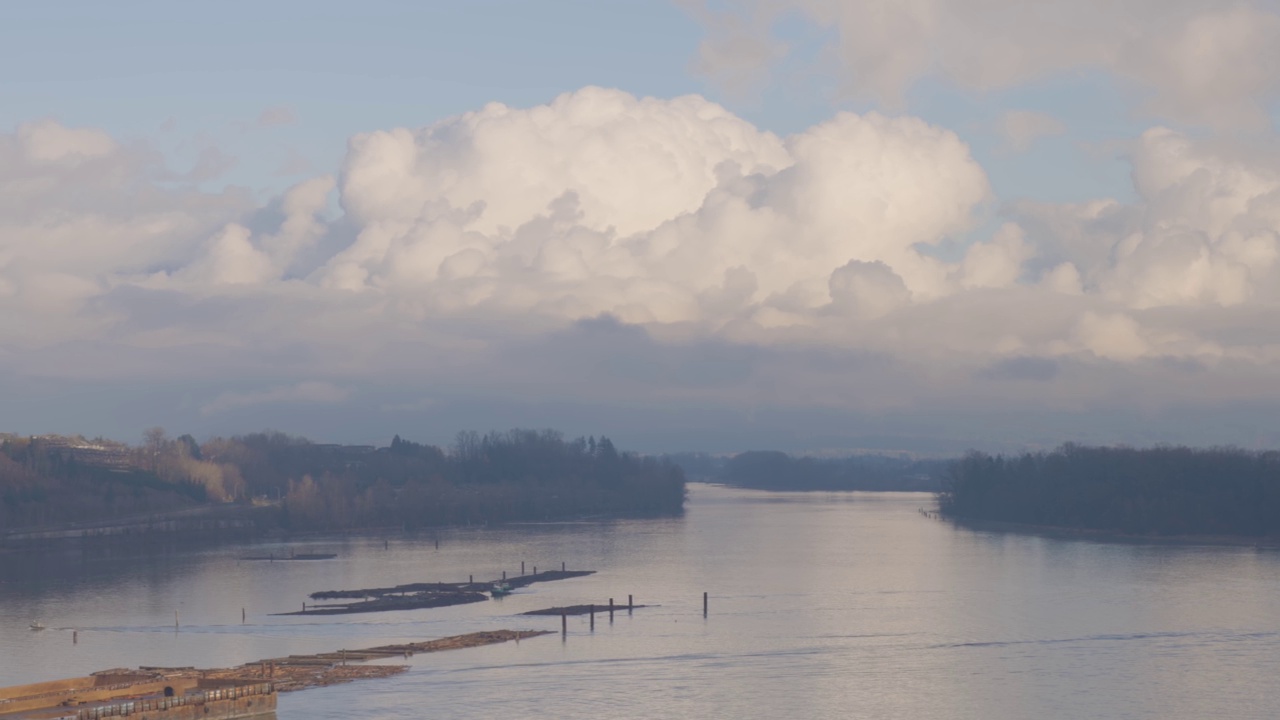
(773, 470)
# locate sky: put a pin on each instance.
(819, 226)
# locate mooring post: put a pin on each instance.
(704, 604)
(629, 605)
(593, 618)
(471, 579)
(504, 575)
(242, 616)
(535, 570)
(561, 566)
(521, 567)
(75, 636)
(610, 611)
(304, 606)
(175, 619)
(564, 624)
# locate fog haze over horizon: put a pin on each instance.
(802, 225)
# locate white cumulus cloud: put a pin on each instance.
(652, 210)
(645, 252)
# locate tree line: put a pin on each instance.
(773, 470)
(492, 477)
(1162, 490)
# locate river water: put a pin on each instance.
(826, 605)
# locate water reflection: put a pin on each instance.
(822, 605)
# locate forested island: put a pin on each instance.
(291, 483)
(1169, 491)
(773, 470)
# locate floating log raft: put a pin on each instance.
(410, 601)
(299, 672)
(422, 595)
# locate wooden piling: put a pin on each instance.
(242, 616)
(75, 636)
(630, 604)
(504, 575)
(704, 604)
(471, 579)
(611, 610)
(564, 624)
(522, 567)
(561, 566)
(592, 611)
(175, 619)
(535, 570)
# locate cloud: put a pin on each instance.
(738, 50)
(309, 392)
(50, 143)
(276, 116)
(1021, 128)
(645, 257)
(238, 256)
(651, 210)
(1199, 61)
(1204, 233)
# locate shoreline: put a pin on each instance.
(61, 537)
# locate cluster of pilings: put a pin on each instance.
(590, 610)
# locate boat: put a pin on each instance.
(500, 590)
(37, 625)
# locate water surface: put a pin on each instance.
(827, 605)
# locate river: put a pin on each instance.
(822, 605)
